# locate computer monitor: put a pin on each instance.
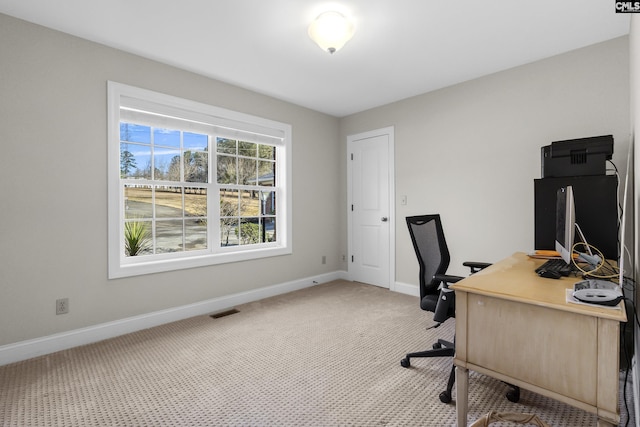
(565, 222)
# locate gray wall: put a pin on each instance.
(53, 178)
(634, 54)
(471, 151)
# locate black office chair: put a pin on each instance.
(435, 296)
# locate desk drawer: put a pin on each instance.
(545, 347)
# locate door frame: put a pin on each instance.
(389, 132)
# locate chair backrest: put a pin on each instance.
(431, 249)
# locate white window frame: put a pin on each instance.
(218, 121)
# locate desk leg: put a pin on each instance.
(462, 394)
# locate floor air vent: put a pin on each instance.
(224, 313)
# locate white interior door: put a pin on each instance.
(371, 212)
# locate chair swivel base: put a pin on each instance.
(513, 395)
(444, 348)
(441, 348)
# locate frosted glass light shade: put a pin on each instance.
(331, 30)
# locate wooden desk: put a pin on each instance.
(517, 327)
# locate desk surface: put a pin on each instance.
(519, 282)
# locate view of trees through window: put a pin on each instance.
(168, 186)
(247, 214)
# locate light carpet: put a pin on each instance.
(323, 356)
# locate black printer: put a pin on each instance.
(577, 157)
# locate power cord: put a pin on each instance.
(602, 269)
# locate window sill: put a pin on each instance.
(142, 267)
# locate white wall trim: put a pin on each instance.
(406, 288)
(23, 350)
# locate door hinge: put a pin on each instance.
(351, 258)
(351, 208)
(351, 156)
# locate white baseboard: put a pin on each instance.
(406, 288)
(28, 349)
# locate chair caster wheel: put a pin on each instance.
(405, 363)
(513, 395)
(436, 346)
(445, 397)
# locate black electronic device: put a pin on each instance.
(564, 237)
(596, 211)
(577, 157)
(555, 269)
(549, 274)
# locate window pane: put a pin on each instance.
(247, 171)
(195, 201)
(268, 202)
(229, 202)
(227, 170)
(168, 202)
(169, 236)
(166, 137)
(196, 166)
(166, 164)
(135, 133)
(267, 152)
(138, 201)
(137, 238)
(195, 234)
(248, 149)
(266, 175)
(269, 230)
(249, 231)
(228, 232)
(135, 161)
(226, 146)
(195, 142)
(249, 203)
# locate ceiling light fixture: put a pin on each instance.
(331, 30)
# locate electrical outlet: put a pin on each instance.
(62, 306)
(324, 259)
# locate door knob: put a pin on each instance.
(385, 219)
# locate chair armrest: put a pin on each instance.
(447, 278)
(476, 266)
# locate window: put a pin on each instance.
(192, 185)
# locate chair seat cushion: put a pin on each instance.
(429, 303)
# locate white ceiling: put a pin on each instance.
(401, 48)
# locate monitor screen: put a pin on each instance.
(565, 222)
